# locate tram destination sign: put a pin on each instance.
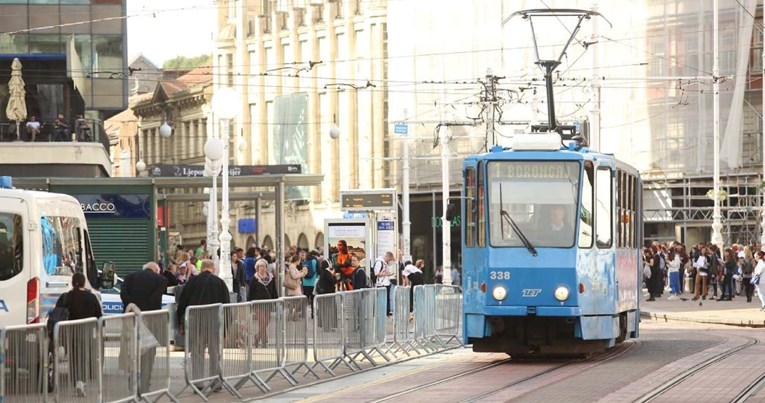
(370, 200)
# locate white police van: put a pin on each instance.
(111, 303)
(43, 242)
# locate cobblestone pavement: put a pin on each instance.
(737, 312)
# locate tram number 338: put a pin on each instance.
(499, 275)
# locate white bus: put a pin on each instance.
(43, 242)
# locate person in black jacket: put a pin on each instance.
(262, 287)
(326, 307)
(359, 276)
(144, 289)
(81, 304)
(206, 288)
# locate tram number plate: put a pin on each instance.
(499, 275)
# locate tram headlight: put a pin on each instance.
(561, 293)
(499, 293)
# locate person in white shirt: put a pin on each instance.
(33, 128)
(702, 275)
(383, 275)
(673, 270)
(759, 271)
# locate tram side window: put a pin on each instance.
(634, 221)
(481, 241)
(469, 218)
(11, 245)
(604, 218)
(621, 209)
(586, 215)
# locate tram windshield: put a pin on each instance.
(539, 197)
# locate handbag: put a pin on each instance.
(289, 282)
(755, 280)
(58, 314)
(646, 271)
(146, 338)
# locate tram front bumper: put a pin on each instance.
(516, 310)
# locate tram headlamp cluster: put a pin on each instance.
(561, 293)
(499, 293)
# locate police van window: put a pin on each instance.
(604, 216)
(11, 245)
(62, 255)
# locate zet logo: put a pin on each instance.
(530, 292)
(3, 306)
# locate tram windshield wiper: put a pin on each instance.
(518, 232)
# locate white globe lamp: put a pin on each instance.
(334, 132)
(225, 102)
(140, 166)
(165, 130)
(214, 149)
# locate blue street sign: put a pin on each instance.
(401, 128)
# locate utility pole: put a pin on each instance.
(489, 99)
(716, 213)
(595, 86)
(406, 224)
(446, 227)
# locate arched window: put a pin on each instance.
(302, 241)
(268, 242)
(319, 242)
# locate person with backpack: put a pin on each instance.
(747, 270)
(382, 276)
(359, 276)
(310, 264)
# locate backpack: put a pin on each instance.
(310, 265)
(372, 275)
(747, 268)
(58, 314)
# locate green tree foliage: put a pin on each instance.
(186, 63)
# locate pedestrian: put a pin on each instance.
(249, 264)
(382, 275)
(673, 269)
(81, 304)
(205, 288)
(309, 262)
(701, 264)
(262, 287)
(747, 270)
(144, 289)
(326, 307)
(456, 280)
(729, 269)
(171, 275)
(359, 276)
(237, 275)
(714, 268)
(200, 252)
(413, 277)
(759, 271)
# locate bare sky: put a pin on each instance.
(164, 29)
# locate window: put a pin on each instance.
(62, 255)
(604, 217)
(481, 208)
(533, 199)
(585, 215)
(470, 202)
(11, 245)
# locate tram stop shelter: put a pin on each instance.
(127, 235)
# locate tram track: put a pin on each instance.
(750, 390)
(690, 372)
(615, 352)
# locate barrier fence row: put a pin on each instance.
(227, 346)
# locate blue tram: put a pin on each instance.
(551, 248)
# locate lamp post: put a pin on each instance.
(716, 211)
(225, 103)
(213, 152)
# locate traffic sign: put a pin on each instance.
(401, 128)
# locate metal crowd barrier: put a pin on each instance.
(118, 375)
(296, 335)
(448, 313)
(402, 325)
(236, 358)
(268, 340)
(76, 356)
(328, 332)
(202, 357)
(154, 354)
(23, 363)
(424, 321)
(380, 323)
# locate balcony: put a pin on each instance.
(55, 151)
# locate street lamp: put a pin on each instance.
(225, 103)
(165, 130)
(213, 152)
